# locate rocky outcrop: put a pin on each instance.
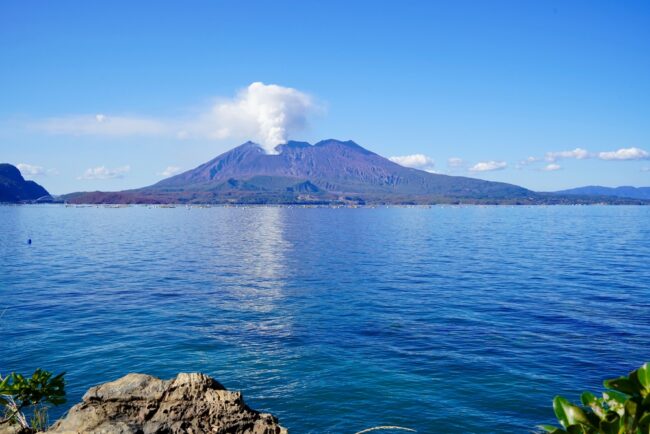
(142, 404)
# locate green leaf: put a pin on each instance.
(552, 429)
(568, 414)
(623, 385)
(643, 375)
(644, 423)
(630, 417)
(559, 407)
(590, 400)
(611, 423)
(578, 429)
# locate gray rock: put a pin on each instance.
(142, 404)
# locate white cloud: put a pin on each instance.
(577, 153)
(416, 161)
(625, 154)
(170, 171)
(582, 154)
(526, 162)
(552, 167)
(30, 170)
(103, 125)
(455, 162)
(488, 166)
(267, 114)
(645, 169)
(103, 172)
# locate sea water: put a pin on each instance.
(440, 319)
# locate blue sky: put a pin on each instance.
(114, 95)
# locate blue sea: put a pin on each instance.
(440, 319)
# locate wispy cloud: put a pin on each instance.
(625, 154)
(527, 161)
(170, 171)
(488, 166)
(268, 114)
(29, 170)
(455, 162)
(102, 172)
(577, 153)
(416, 161)
(103, 125)
(552, 167)
(582, 154)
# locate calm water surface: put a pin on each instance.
(448, 319)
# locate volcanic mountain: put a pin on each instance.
(14, 188)
(330, 171)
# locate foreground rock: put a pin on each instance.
(189, 403)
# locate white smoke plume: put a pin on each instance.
(268, 114)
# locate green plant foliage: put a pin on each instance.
(40, 420)
(623, 409)
(18, 393)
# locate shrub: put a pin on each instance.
(623, 409)
(18, 393)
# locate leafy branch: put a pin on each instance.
(18, 393)
(624, 408)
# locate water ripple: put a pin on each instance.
(448, 319)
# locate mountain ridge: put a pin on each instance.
(329, 171)
(622, 191)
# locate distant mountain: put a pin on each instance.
(327, 172)
(14, 188)
(626, 192)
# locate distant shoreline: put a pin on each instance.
(324, 205)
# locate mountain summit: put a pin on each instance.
(329, 171)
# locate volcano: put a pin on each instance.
(330, 171)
